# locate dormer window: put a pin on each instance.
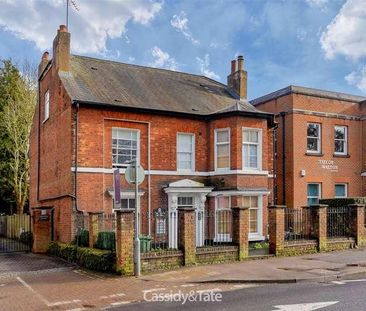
(46, 106)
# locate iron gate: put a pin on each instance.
(15, 233)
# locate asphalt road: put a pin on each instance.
(346, 296)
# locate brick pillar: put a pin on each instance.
(187, 234)
(42, 229)
(276, 217)
(124, 241)
(93, 228)
(319, 221)
(241, 230)
(358, 223)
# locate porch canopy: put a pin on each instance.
(186, 188)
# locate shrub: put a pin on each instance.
(106, 240)
(82, 238)
(339, 202)
(63, 250)
(96, 259)
(26, 237)
(90, 258)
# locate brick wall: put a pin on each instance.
(291, 186)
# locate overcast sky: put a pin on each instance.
(313, 43)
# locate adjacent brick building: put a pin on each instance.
(320, 143)
(201, 143)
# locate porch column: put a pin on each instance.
(358, 223)
(173, 220)
(200, 220)
(187, 234)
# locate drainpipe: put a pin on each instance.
(39, 138)
(76, 158)
(274, 145)
(283, 115)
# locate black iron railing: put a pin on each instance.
(217, 228)
(339, 222)
(298, 224)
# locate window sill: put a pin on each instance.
(335, 155)
(314, 154)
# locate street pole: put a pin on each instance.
(137, 224)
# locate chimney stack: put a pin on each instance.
(61, 50)
(237, 80)
(43, 64)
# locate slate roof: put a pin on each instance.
(124, 85)
(307, 91)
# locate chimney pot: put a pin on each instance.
(240, 62)
(45, 55)
(63, 28)
(237, 79)
(233, 66)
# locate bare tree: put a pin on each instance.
(16, 121)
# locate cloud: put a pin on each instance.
(317, 3)
(204, 67)
(346, 34)
(357, 78)
(162, 59)
(180, 23)
(90, 27)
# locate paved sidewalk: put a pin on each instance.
(36, 282)
(315, 267)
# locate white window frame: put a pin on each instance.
(227, 129)
(319, 138)
(320, 191)
(221, 237)
(193, 158)
(345, 140)
(345, 190)
(257, 236)
(137, 147)
(259, 149)
(46, 106)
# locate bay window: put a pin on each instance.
(222, 149)
(252, 149)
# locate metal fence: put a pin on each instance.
(339, 221)
(217, 228)
(155, 229)
(298, 224)
(15, 233)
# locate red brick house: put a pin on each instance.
(320, 144)
(201, 143)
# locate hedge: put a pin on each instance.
(90, 258)
(82, 238)
(106, 240)
(339, 202)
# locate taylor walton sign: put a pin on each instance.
(329, 165)
(117, 188)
